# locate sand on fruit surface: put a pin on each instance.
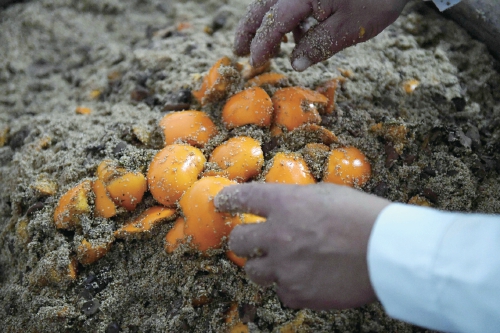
(130, 62)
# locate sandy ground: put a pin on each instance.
(107, 54)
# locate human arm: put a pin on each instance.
(313, 244)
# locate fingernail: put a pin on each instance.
(301, 63)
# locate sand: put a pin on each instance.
(126, 60)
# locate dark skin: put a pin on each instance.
(341, 23)
(314, 243)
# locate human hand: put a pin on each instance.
(342, 23)
(313, 244)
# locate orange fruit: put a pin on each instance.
(347, 166)
(104, 206)
(214, 85)
(240, 157)
(89, 252)
(250, 106)
(288, 168)
(173, 170)
(203, 222)
(244, 218)
(193, 127)
(295, 106)
(127, 190)
(272, 79)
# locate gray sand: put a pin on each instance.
(55, 54)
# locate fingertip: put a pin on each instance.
(301, 63)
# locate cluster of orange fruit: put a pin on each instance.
(184, 182)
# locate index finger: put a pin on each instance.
(255, 198)
(249, 24)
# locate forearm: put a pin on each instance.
(435, 269)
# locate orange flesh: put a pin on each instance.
(89, 253)
(204, 223)
(193, 127)
(108, 170)
(267, 78)
(289, 169)
(240, 157)
(173, 170)
(175, 236)
(127, 190)
(104, 206)
(295, 106)
(145, 222)
(213, 83)
(250, 106)
(347, 166)
(71, 205)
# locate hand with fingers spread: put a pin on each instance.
(313, 244)
(341, 23)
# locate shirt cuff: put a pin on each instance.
(401, 253)
(444, 4)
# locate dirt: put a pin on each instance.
(130, 62)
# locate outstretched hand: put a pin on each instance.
(341, 23)
(313, 244)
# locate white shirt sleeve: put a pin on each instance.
(444, 4)
(437, 269)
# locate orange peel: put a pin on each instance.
(104, 206)
(295, 106)
(328, 89)
(191, 126)
(250, 106)
(214, 84)
(289, 168)
(203, 222)
(88, 253)
(145, 222)
(72, 205)
(175, 236)
(241, 158)
(243, 219)
(273, 79)
(347, 166)
(173, 170)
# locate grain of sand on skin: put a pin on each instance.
(60, 55)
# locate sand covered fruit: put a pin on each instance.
(250, 106)
(203, 222)
(72, 205)
(103, 205)
(215, 84)
(89, 252)
(289, 168)
(173, 170)
(145, 222)
(192, 127)
(347, 166)
(296, 106)
(241, 158)
(244, 219)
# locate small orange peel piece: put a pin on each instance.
(289, 168)
(146, 222)
(83, 110)
(250, 106)
(175, 236)
(173, 170)
(89, 252)
(214, 84)
(108, 170)
(295, 106)
(272, 79)
(203, 222)
(240, 157)
(72, 205)
(328, 89)
(233, 319)
(104, 206)
(347, 166)
(191, 126)
(127, 190)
